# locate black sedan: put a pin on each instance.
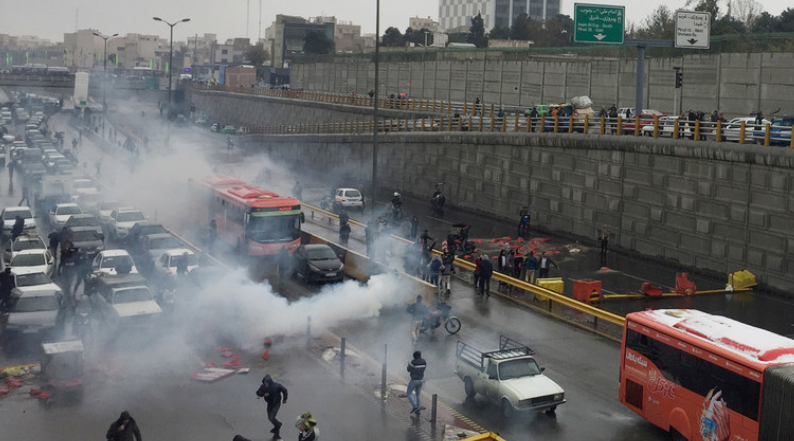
(317, 263)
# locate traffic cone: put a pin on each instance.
(266, 354)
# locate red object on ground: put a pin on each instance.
(194, 375)
(583, 290)
(683, 285)
(226, 352)
(44, 395)
(3, 391)
(651, 290)
(266, 354)
(476, 241)
(235, 361)
(507, 238)
(210, 364)
(35, 392)
(604, 268)
(494, 240)
(14, 383)
(268, 342)
(467, 257)
(555, 252)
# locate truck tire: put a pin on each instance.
(507, 409)
(468, 386)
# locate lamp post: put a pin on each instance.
(104, 79)
(170, 59)
(373, 190)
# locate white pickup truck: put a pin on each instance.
(509, 376)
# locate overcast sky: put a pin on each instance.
(50, 19)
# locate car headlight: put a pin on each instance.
(559, 397)
(314, 268)
(341, 266)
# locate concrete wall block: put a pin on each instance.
(775, 262)
(728, 231)
(671, 200)
(695, 243)
(736, 252)
(651, 196)
(640, 227)
(629, 191)
(647, 247)
(638, 175)
(680, 221)
(768, 201)
(565, 192)
(781, 224)
(705, 188)
(740, 173)
(610, 188)
(718, 248)
(603, 169)
(570, 210)
(636, 209)
(596, 200)
(755, 257)
(730, 193)
(554, 206)
(590, 182)
(574, 179)
(703, 226)
(680, 185)
(687, 203)
(556, 175)
(680, 256)
(578, 195)
(770, 242)
(667, 165)
(587, 214)
(779, 181)
(709, 263)
(759, 180)
(564, 161)
(712, 209)
(614, 204)
(698, 170)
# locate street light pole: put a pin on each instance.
(170, 60)
(104, 79)
(373, 191)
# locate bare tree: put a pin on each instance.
(745, 11)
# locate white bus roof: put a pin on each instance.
(753, 343)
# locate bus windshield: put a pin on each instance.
(267, 229)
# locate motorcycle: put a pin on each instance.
(458, 240)
(440, 315)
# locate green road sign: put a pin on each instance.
(599, 24)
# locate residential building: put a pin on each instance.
(240, 76)
(458, 13)
(419, 23)
(288, 37)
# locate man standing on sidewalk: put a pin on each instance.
(416, 368)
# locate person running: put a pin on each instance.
(418, 312)
(124, 429)
(274, 395)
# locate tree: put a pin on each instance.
(418, 37)
(520, 28)
(659, 25)
(256, 54)
(727, 25)
(766, 23)
(477, 31)
(746, 11)
(499, 33)
(317, 43)
(786, 23)
(393, 38)
(710, 6)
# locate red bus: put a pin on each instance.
(255, 222)
(707, 378)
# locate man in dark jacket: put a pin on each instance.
(124, 429)
(416, 368)
(419, 313)
(272, 393)
(486, 271)
(6, 285)
(18, 228)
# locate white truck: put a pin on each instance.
(509, 377)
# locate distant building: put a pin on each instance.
(240, 76)
(419, 23)
(288, 37)
(458, 13)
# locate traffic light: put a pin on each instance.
(679, 79)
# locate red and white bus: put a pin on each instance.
(255, 222)
(707, 378)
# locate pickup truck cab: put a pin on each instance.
(509, 376)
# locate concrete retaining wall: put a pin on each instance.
(720, 207)
(736, 84)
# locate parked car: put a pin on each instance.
(61, 213)
(166, 265)
(627, 126)
(123, 301)
(84, 220)
(104, 209)
(9, 215)
(34, 260)
(87, 240)
(667, 127)
(122, 219)
(152, 246)
(106, 262)
(317, 263)
(22, 243)
(141, 229)
(38, 312)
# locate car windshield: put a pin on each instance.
(522, 367)
(33, 304)
(69, 209)
(322, 253)
(192, 260)
(33, 279)
(274, 228)
(82, 221)
(83, 184)
(85, 236)
(114, 261)
(130, 216)
(28, 260)
(150, 229)
(130, 295)
(21, 245)
(164, 243)
(352, 194)
(24, 214)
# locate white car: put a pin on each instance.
(349, 198)
(84, 186)
(166, 264)
(667, 127)
(22, 243)
(104, 209)
(26, 281)
(122, 219)
(107, 261)
(61, 213)
(10, 214)
(35, 261)
(731, 130)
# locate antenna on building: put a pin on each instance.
(247, 16)
(76, 11)
(259, 35)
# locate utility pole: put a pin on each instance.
(170, 73)
(104, 79)
(375, 129)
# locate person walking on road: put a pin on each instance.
(434, 269)
(274, 395)
(502, 265)
(18, 228)
(530, 265)
(416, 369)
(124, 429)
(419, 313)
(544, 264)
(447, 269)
(6, 285)
(414, 228)
(486, 271)
(344, 234)
(604, 238)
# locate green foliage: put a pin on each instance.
(520, 28)
(393, 38)
(659, 25)
(477, 31)
(499, 33)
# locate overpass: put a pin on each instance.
(715, 206)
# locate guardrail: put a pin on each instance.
(526, 294)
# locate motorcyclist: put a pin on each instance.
(419, 313)
(397, 205)
(523, 221)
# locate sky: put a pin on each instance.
(50, 19)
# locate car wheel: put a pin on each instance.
(507, 409)
(550, 410)
(468, 386)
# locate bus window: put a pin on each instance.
(273, 228)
